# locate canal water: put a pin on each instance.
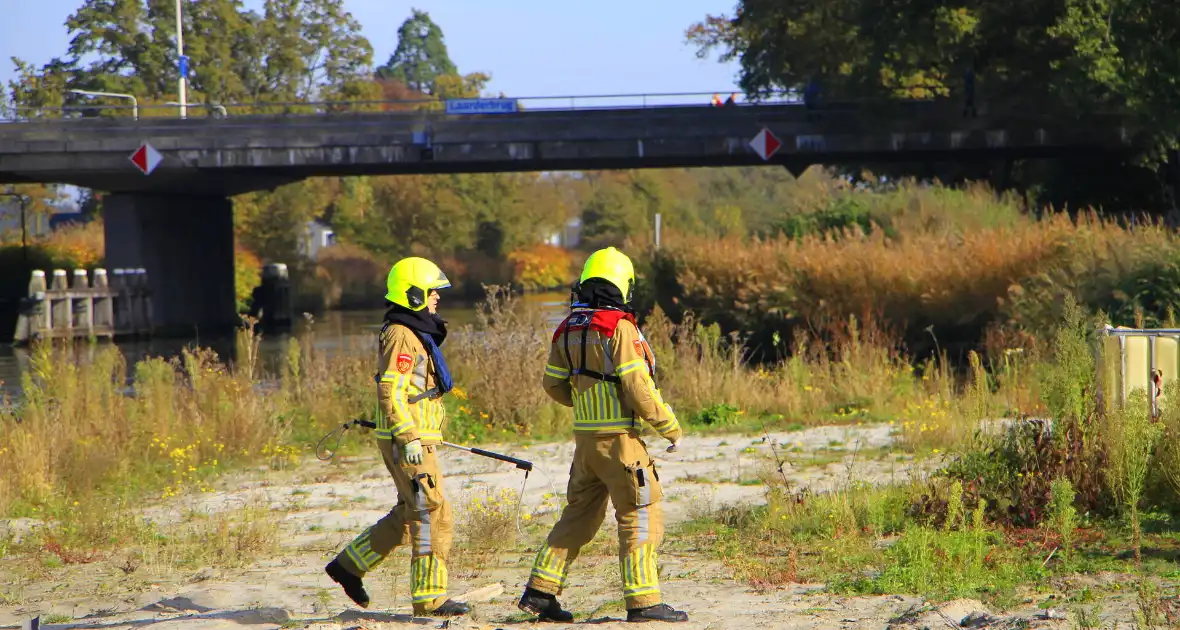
(336, 332)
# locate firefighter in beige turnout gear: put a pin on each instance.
(601, 365)
(411, 378)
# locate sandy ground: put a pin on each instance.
(321, 506)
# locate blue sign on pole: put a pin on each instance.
(184, 66)
(481, 106)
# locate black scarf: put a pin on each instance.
(419, 321)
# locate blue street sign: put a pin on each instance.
(481, 106)
(184, 65)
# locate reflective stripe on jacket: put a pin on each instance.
(403, 375)
(600, 364)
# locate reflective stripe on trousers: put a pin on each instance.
(428, 579)
(549, 566)
(640, 576)
(361, 552)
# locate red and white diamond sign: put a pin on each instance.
(765, 144)
(146, 158)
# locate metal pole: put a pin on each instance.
(657, 230)
(180, 61)
(24, 242)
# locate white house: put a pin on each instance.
(316, 236)
(569, 237)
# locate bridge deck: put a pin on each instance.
(240, 153)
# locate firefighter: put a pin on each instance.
(601, 366)
(411, 378)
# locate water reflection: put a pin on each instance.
(336, 333)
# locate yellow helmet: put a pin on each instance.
(411, 279)
(613, 266)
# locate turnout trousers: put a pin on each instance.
(422, 517)
(617, 467)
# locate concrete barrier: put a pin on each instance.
(106, 308)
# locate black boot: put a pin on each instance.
(659, 612)
(353, 586)
(543, 605)
(451, 608)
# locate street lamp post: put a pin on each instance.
(134, 102)
(183, 65)
(24, 245)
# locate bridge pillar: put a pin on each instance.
(186, 244)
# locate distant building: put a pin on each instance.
(316, 236)
(569, 236)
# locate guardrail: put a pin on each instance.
(61, 311)
(92, 107)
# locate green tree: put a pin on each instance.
(38, 93)
(273, 224)
(610, 211)
(294, 50)
(1059, 57)
(421, 56)
(308, 45)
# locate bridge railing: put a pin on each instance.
(119, 306)
(103, 106)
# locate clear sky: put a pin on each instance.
(530, 47)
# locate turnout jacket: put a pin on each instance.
(405, 378)
(601, 365)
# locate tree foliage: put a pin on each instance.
(421, 56)
(1067, 55)
(294, 50)
(1059, 57)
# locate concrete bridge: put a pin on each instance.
(176, 222)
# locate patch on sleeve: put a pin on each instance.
(404, 363)
(644, 350)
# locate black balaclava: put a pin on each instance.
(599, 293)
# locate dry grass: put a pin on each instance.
(117, 537)
(76, 431)
(492, 524)
(499, 363)
(931, 283)
(860, 376)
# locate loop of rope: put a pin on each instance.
(520, 497)
(339, 434)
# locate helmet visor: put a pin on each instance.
(442, 282)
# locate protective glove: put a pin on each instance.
(674, 437)
(413, 452)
